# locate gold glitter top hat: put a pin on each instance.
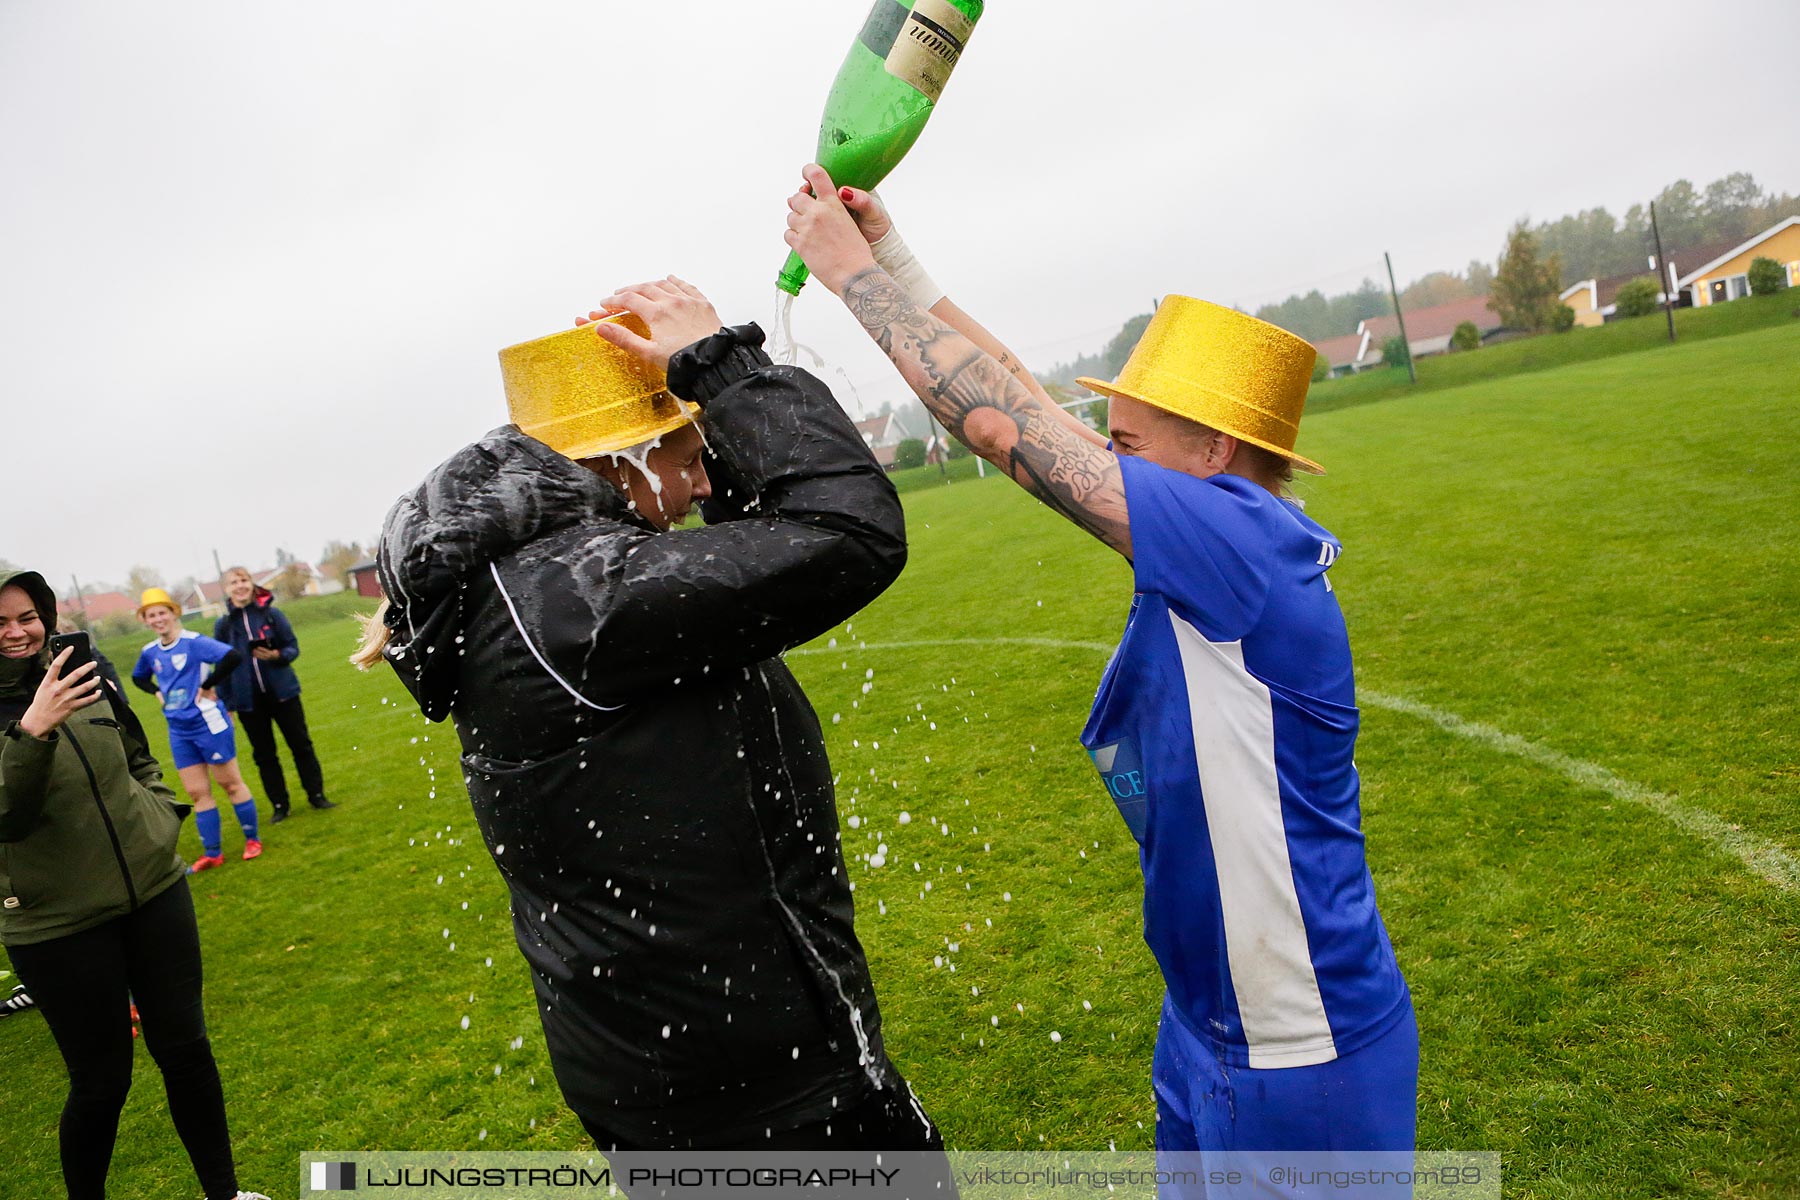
(1223, 369)
(153, 597)
(582, 396)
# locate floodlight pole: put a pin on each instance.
(80, 601)
(1393, 291)
(1667, 290)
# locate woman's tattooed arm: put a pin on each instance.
(991, 412)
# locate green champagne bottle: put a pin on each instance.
(884, 94)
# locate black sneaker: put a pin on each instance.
(18, 1002)
(321, 803)
(278, 816)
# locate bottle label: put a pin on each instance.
(927, 47)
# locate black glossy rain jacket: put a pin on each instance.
(649, 777)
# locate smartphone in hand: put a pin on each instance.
(84, 650)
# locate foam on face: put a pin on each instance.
(638, 456)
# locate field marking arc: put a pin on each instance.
(1764, 858)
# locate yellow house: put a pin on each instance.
(1727, 276)
(1592, 299)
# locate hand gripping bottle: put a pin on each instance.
(884, 94)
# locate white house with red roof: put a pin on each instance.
(1428, 332)
(98, 605)
(207, 597)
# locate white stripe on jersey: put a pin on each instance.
(1272, 974)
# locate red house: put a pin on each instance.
(364, 579)
(99, 605)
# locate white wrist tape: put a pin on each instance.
(893, 256)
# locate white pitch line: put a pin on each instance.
(1766, 859)
(1762, 856)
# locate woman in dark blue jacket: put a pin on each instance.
(267, 695)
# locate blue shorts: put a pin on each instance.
(193, 744)
(1366, 1100)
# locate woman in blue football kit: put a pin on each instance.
(179, 667)
(1225, 724)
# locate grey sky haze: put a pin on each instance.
(256, 260)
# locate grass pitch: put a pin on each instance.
(1580, 344)
(1597, 562)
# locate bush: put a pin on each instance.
(1393, 351)
(291, 583)
(117, 625)
(1094, 414)
(1321, 368)
(1562, 319)
(1766, 275)
(1636, 298)
(910, 453)
(957, 450)
(1466, 337)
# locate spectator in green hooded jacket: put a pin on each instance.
(94, 905)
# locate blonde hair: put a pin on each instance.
(1269, 467)
(244, 571)
(375, 635)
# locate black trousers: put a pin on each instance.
(84, 984)
(259, 726)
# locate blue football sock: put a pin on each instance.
(246, 815)
(206, 824)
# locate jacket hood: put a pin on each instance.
(41, 593)
(19, 676)
(484, 502)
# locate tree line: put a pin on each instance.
(1590, 244)
(1104, 365)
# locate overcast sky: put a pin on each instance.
(256, 259)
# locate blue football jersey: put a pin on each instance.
(178, 670)
(1224, 729)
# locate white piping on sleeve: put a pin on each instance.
(494, 570)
